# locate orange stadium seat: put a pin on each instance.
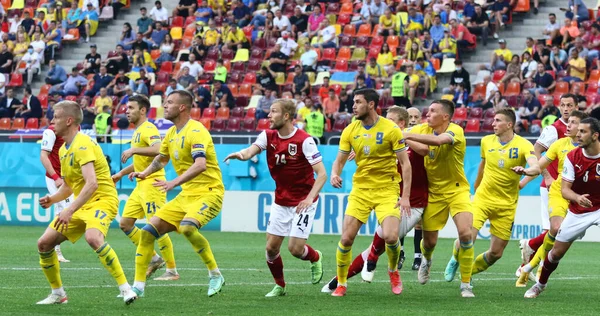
(5, 124)
(223, 113)
(205, 122)
(18, 123)
(195, 113)
(513, 89)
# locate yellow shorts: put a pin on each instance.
(383, 200)
(501, 220)
(557, 205)
(97, 214)
(144, 201)
(202, 208)
(440, 205)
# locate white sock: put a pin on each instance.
(214, 272)
(139, 285)
(174, 270)
(124, 287)
(418, 255)
(463, 284)
(60, 291)
(155, 258)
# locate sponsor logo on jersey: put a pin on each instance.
(292, 149)
(356, 137)
(155, 137)
(315, 156)
(451, 133)
(197, 146)
(82, 148)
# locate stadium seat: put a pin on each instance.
(206, 122)
(339, 125)
(263, 124)
(377, 42)
(44, 122)
(209, 113)
(478, 92)
(32, 123)
(237, 112)
(152, 114)
(344, 19)
(195, 113)
(347, 8)
(122, 109)
(349, 30)
(373, 52)
(489, 114)
(359, 54)
(18, 123)
(234, 125)
(16, 80)
(241, 102)
(594, 76)
(235, 77)
(472, 126)
(364, 30)
(581, 86)
(328, 54)
(5, 124)
(43, 100)
(341, 65)
(72, 36)
(245, 90)
(218, 125)
(247, 124)
(487, 127)
(561, 88)
(344, 54)
(522, 6)
(251, 113)
(333, 8)
(476, 113)
(592, 88)
(250, 78)
(498, 75)
(167, 67)
(362, 41)
(460, 114)
(177, 21)
(447, 66)
(223, 113)
(156, 101)
(45, 89)
(280, 78)
(513, 89)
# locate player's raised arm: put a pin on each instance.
(430, 140)
(247, 153)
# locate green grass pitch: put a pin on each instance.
(573, 289)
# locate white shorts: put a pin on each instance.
(575, 225)
(52, 189)
(284, 221)
(407, 223)
(544, 208)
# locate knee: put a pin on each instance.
(494, 255)
(94, 241)
(125, 226)
(296, 250)
(554, 227)
(347, 241)
(187, 230)
(272, 251)
(44, 244)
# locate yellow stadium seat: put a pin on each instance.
(359, 54)
(176, 33)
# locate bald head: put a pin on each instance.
(414, 116)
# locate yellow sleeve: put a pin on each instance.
(483, 146)
(84, 153)
(397, 139)
(552, 153)
(164, 146)
(151, 136)
(198, 143)
(345, 145)
(528, 151)
(456, 133)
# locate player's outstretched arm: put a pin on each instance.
(479, 174)
(150, 151)
(319, 169)
(404, 202)
(421, 149)
(244, 154)
(532, 171)
(541, 164)
(158, 163)
(125, 172)
(430, 140)
(336, 169)
(64, 191)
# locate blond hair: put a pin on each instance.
(71, 108)
(400, 111)
(287, 106)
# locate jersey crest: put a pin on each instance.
(292, 149)
(367, 149)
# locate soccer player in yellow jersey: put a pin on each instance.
(448, 188)
(86, 174)
(377, 142)
(557, 205)
(190, 147)
(504, 156)
(145, 199)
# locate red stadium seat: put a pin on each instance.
(251, 113)
(349, 30)
(489, 114)
(45, 89)
(43, 100)
(18, 123)
(16, 80)
(263, 124)
(362, 41)
(498, 75)
(472, 126)
(234, 125)
(223, 113)
(177, 21)
(122, 109)
(5, 124)
(513, 89)
(250, 78)
(32, 123)
(460, 114)
(476, 113)
(248, 124)
(167, 67)
(209, 113)
(339, 125)
(218, 125)
(487, 127)
(561, 87)
(328, 54)
(237, 112)
(152, 113)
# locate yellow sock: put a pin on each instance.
(166, 250)
(110, 261)
(200, 245)
(343, 256)
(481, 264)
(540, 254)
(427, 253)
(455, 249)
(134, 235)
(51, 267)
(393, 253)
(465, 260)
(143, 254)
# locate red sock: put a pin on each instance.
(377, 248)
(276, 267)
(310, 254)
(547, 269)
(356, 266)
(538, 241)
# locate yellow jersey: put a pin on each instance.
(81, 151)
(183, 147)
(375, 147)
(445, 163)
(211, 37)
(500, 185)
(559, 150)
(506, 53)
(146, 135)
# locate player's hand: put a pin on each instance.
(520, 170)
(46, 201)
(164, 186)
(304, 205)
(236, 155)
(116, 177)
(63, 219)
(351, 155)
(59, 182)
(126, 155)
(404, 205)
(584, 201)
(548, 182)
(139, 175)
(336, 181)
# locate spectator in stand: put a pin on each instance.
(552, 31)
(20, 47)
(498, 101)
(184, 78)
(548, 107)
(415, 20)
(222, 96)
(194, 67)
(461, 96)
(212, 36)
(426, 45)
(299, 100)
(71, 86)
(89, 21)
(301, 82)
(582, 51)
(501, 56)
(375, 71)
(159, 14)
(127, 37)
(265, 80)
(103, 100)
(324, 89)
(528, 67)
(157, 36)
(139, 43)
(490, 89)
(326, 37)
(464, 38)
(185, 8)
(288, 45)
(479, 24)
(220, 71)
(529, 110)
(385, 58)
(543, 81)
(278, 59)
(501, 13)
(142, 60)
(331, 104)
(542, 55)
(89, 114)
(73, 17)
(577, 10)
(204, 13)
(9, 104)
(32, 65)
(558, 59)
(92, 61)
(173, 86)
(128, 94)
(426, 73)
(32, 107)
(314, 21)
(437, 30)
(369, 82)
(38, 43)
(447, 47)
(198, 48)
(299, 22)
(459, 75)
(203, 97)
(594, 42)
(576, 68)
(413, 82)
(579, 98)
(28, 23)
(411, 39)
(236, 38)
(141, 84)
(281, 23)
(413, 53)
(56, 73)
(118, 62)
(448, 14)
(119, 84)
(569, 32)
(360, 83)
(241, 13)
(309, 58)
(513, 71)
(345, 110)
(3, 83)
(103, 125)
(303, 112)
(264, 104)
(377, 9)
(387, 23)
(101, 80)
(6, 60)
